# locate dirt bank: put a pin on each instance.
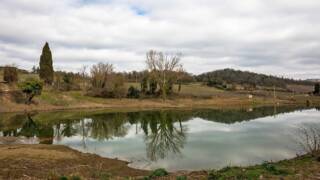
(120, 104)
(55, 161)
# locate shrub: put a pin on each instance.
(117, 86)
(63, 178)
(10, 74)
(158, 173)
(273, 169)
(71, 178)
(133, 92)
(213, 175)
(113, 88)
(69, 83)
(31, 87)
(181, 178)
(66, 81)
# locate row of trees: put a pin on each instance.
(163, 71)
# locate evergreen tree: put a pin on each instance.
(316, 88)
(46, 68)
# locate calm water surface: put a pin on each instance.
(175, 140)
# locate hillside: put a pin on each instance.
(314, 80)
(231, 76)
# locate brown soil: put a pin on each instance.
(54, 161)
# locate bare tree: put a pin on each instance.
(100, 74)
(180, 76)
(309, 138)
(163, 66)
(83, 74)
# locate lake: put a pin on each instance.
(175, 140)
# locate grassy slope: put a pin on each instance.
(191, 95)
(305, 167)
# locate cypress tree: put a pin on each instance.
(46, 68)
(316, 88)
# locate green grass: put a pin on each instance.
(286, 168)
(192, 89)
(81, 96)
(156, 173)
(53, 98)
(67, 98)
(23, 77)
(198, 89)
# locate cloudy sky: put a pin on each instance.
(279, 37)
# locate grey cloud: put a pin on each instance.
(274, 37)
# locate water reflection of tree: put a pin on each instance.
(165, 137)
(108, 126)
(230, 116)
(32, 129)
(29, 128)
(68, 129)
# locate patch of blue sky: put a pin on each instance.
(139, 11)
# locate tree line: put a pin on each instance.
(163, 71)
(221, 78)
(157, 80)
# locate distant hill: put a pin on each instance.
(19, 70)
(313, 80)
(231, 76)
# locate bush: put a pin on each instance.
(71, 178)
(111, 88)
(133, 92)
(10, 74)
(181, 178)
(158, 173)
(273, 169)
(31, 87)
(66, 82)
(213, 175)
(69, 87)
